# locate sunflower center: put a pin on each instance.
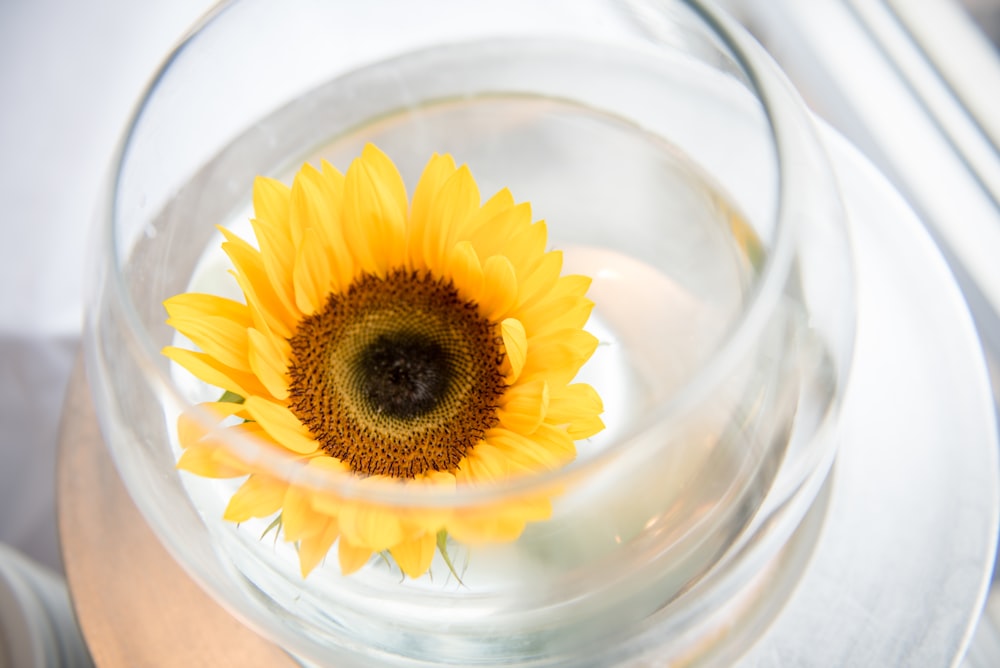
(397, 376)
(403, 375)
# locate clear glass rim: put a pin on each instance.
(777, 102)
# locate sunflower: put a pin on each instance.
(428, 343)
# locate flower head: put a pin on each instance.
(431, 342)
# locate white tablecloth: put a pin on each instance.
(71, 72)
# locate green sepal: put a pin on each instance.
(442, 546)
(275, 526)
(231, 398)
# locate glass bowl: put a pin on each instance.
(673, 165)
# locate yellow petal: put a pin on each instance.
(570, 285)
(317, 202)
(197, 305)
(585, 427)
(278, 258)
(312, 276)
(271, 201)
(210, 370)
(260, 295)
(219, 337)
(452, 208)
(571, 402)
(548, 315)
(342, 266)
(565, 287)
(414, 556)
(499, 288)
(577, 406)
(281, 425)
(539, 281)
(439, 168)
(558, 356)
(526, 246)
(484, 464)
(269, 362)
(465, 270)
(496, 205)
(259, 496)
(352, 558)
(332, 179)
(515, 343)
(383, 170)
(313, 548)
(524, 406)
(546, 449)
(493, 236)
(312, 205)
(374, 215)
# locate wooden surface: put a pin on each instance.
(135, 605)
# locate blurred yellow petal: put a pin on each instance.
(313, 548)
(429, 519)
(484, 528)
(414, 556)
(281, 425)
(351, 557)
(375, 527)
(201, 459)
(258, 496)
(298, 518)
(190, 427)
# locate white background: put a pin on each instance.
(70, 75)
